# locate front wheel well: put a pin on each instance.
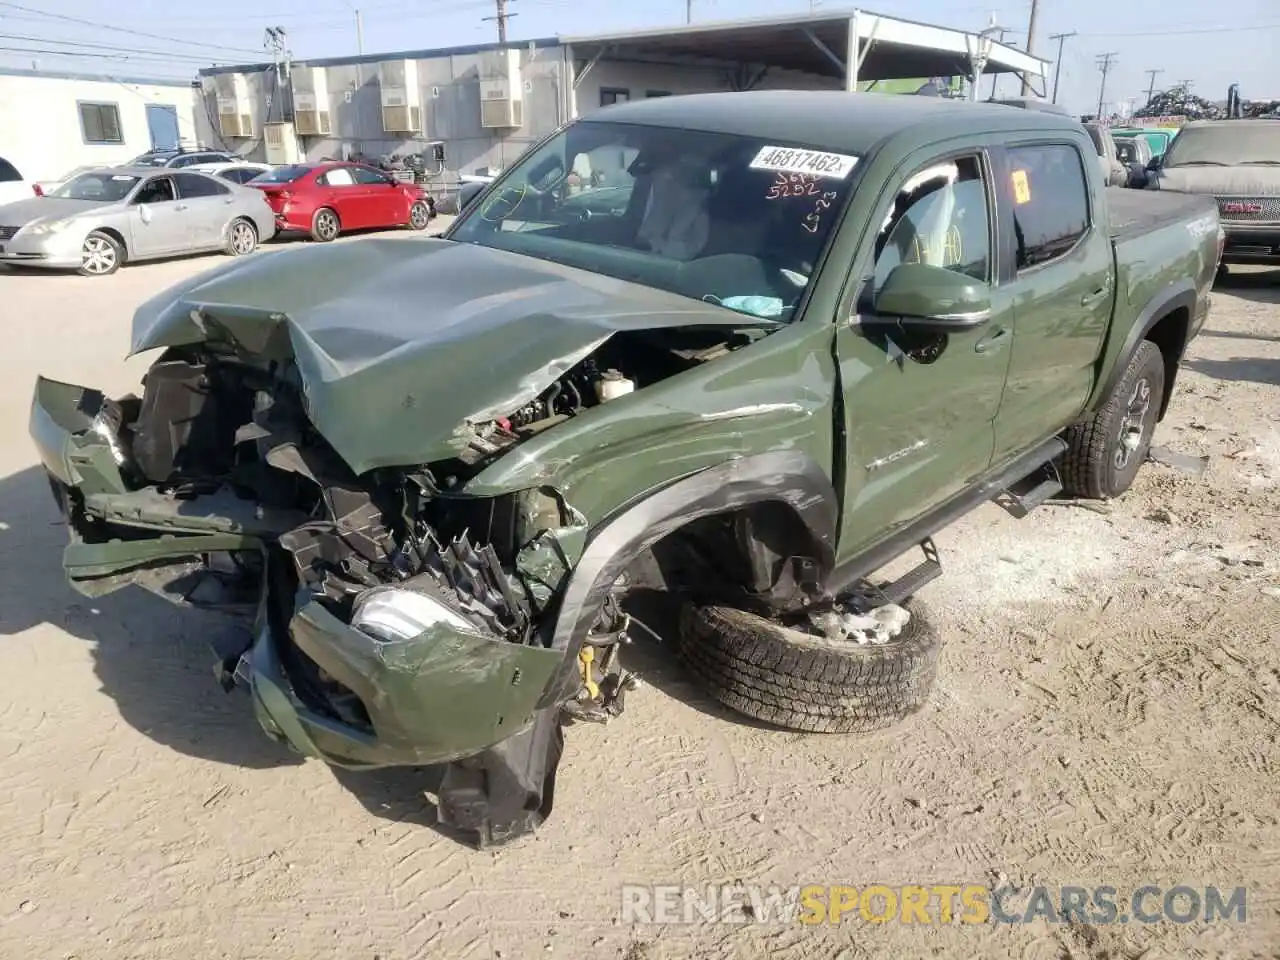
(115, 235)
(761, 551)
(1169, 334)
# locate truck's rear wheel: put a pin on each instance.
(1105, 452)
(801, 681)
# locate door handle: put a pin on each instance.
(994, 342)
(1089, 299)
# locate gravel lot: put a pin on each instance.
(1107, 713)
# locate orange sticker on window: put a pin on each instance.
(1021, 187)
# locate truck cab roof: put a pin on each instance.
(829, 119)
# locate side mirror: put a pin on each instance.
(1155, 163)
(931, 299)
(468, 193)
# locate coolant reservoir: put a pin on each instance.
(613, 384)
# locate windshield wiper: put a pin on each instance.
(1270, 163)
(1198, 163)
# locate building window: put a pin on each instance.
(100, 123)
(657, 93)
(611, 95)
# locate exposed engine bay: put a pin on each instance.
(392, 552)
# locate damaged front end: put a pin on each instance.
(383, 618)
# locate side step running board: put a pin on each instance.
(1030, 492)
(919, 532)
(926, 571)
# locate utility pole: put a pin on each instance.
(502, 18)
(1105, 62)
(1031, 41)
(995, 77)
(1151, 87)
(688, 10)
(359, 35)
(1057, 64)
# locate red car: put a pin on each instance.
(323, 199)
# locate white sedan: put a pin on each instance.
(240, 171)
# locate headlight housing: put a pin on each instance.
(391, 614)
(43, 227)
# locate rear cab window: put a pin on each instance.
(1049, 194)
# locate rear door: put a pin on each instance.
(919, 412)
(340, 192)
(208, 208)
(1061, 270)
(387, 204)
(157, 221)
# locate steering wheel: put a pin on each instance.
(504, 203)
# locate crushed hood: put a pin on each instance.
(1240, 181)
(401, 344)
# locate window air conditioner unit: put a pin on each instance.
(311, 102)
(235, 110)
(401, 96)
(501, 90)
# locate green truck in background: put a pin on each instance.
(776, 342)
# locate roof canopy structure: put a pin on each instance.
(885, 48)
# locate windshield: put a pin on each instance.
(1225, 144)
(152, 160)
(103, 187)
(285, 174)
(732, 220)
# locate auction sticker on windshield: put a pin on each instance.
(834, 166)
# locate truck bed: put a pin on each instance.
(1138, 212)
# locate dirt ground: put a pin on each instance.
(1107, 713)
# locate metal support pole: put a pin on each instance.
(851, 56)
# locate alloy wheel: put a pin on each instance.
(1133, 426)
(98, 256)
(243, 239)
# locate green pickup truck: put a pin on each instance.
(797, 335)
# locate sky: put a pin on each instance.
(1183, 39)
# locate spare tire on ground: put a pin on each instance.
(804, 681)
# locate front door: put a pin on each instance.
(162, 123)
(158, 224)
(1062, 277)
(387, 204)
(919, 412)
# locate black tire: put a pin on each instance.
(325, 225)
(101, 255)
(242, 238)
(1105, 452)
(419, 215)
(802, 682)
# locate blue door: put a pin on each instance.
(162, 121)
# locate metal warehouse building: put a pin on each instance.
(484, 105)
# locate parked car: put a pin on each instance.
(1157, 138)
(1237, 164)
(324, 199)
(824, 328)
(241, 171)
(1135, 154)
(12, 185)
(182, 158)
(45, 187)
(99, 220)
(1114, 172)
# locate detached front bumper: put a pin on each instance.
(440, 696)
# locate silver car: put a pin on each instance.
(100, 219)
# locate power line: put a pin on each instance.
(46, 51)
(137, 33)
(1057, 64)
(1239, 28)
(193, 57)
(1105, 62)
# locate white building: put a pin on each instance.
(52, 122)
